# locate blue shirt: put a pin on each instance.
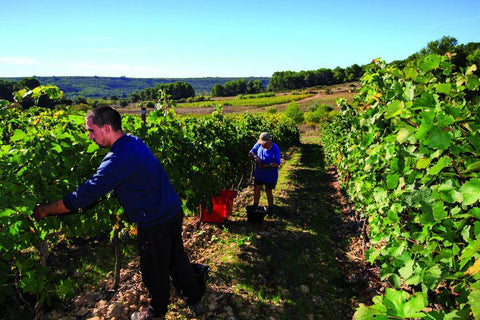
(138, 179)
(272, 155)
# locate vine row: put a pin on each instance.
(407, 150)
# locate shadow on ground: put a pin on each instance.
(293, 265)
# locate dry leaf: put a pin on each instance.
(473, 270)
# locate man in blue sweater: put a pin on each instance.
(148, 198)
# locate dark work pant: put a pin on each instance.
(162, 256)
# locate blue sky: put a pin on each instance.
(211, 38)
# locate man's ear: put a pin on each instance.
(107, 128)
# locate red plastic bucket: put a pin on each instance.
(222, 206)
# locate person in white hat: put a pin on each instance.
(267, 160)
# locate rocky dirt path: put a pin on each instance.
(305, 261)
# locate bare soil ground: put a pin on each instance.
(305, 261)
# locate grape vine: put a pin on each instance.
(407, 151)
(44, 154)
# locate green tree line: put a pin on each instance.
(236, 87)
(290, 80)
(462, 56)
(176, 90)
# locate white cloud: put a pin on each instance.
(18, 60)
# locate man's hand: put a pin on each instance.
(40, 212)
(254, 157)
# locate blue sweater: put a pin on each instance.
(139, 181)
(269, 175)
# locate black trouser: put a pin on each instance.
(162, 255)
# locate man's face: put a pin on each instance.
(96, 133)
(266, 144)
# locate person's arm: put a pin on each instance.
(276, 160)
(47, 209)
(255, 157)
(253, 153)
(270, 165)
(110, 174)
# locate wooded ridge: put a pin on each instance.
(99, 87)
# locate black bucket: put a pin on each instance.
(256, 214)
(201, 274)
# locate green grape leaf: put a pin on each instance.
(444, 88)
(471, 69)
(410, 73)
(409, 92)
(468, 252)
(432, 276)
(404, 133)
(441, 163)
(472, 82)
(473, 167)
(474, 300)
(4, 103)
(426, 100)
(92, 147)
(6, 212)
(422, 163)
(395, 301)
(414, 306)
(430, 62)
(394, 109)
(438, 210)
(367, 139)
(376, 311)
(407, 270)
(470, 191)
(474, 212)
(436, 138)
(449, 193)
(57, 148)
(392, 181)
(18, 135)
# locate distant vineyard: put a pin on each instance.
(408, 153)
(261, 101)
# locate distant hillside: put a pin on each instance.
(99, 87)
